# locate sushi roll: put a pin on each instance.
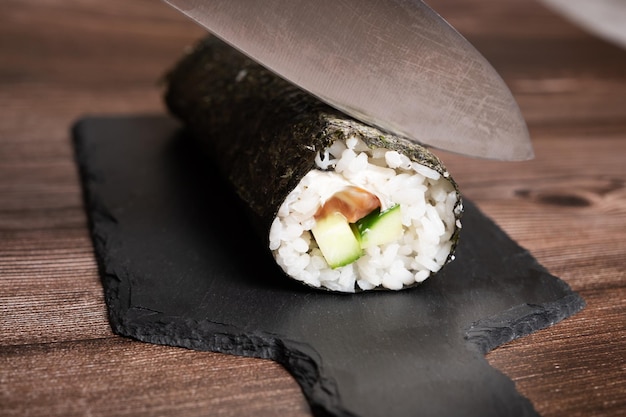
(341, 205)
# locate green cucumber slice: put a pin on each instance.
(378, 228)
(336, 240)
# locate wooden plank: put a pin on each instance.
(118, 377)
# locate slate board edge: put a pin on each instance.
(487, 334)
(299, 360)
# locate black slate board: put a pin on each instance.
(180, 267)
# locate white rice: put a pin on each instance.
(427, 203)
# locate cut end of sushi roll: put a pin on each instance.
(410, 236)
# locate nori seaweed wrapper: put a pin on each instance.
(263, 132)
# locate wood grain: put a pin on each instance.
(111, 376)
(60, 60)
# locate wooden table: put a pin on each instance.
(60, 60)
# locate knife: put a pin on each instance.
(394, 64)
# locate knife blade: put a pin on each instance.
(394, 64)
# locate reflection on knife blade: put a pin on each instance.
(395, 64)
